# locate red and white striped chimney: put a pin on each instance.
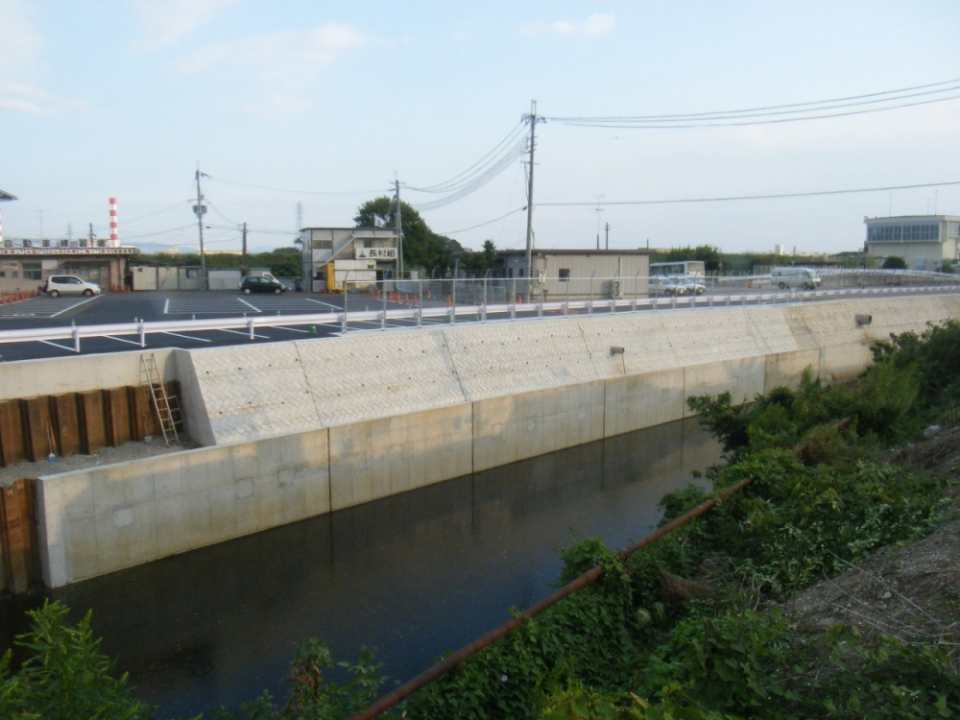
(114, 237)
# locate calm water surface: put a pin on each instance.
(410, 576)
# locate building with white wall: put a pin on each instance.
(25, 264)
(333, 257)
(578, 273)
(925, 242)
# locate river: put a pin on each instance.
(410, 576)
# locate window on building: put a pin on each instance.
(82, 242)
(192, 273)
(32, 271)
(564, 274)
(521, 272)
(321, 244)
(64, 243)
(45, 242)
(27, 243)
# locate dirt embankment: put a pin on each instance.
(910, 591)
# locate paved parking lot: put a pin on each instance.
(151, 307)
(318, 316)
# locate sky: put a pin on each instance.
(300, 111)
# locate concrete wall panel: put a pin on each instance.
(514, 428)
(742, 378)
(368, 376)
(254, 391)
(80, 373)
(521, 357)
(116, 516)
(641, 401)
(786, 369)
(378, 458)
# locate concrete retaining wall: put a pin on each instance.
(80, 373)
(299, 429)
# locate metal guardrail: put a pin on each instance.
(417, 316)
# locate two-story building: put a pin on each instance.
(335, 259)
(925, 242)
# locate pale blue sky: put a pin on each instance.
(124, 98)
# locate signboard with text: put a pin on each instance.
(68, 251)
(376, 253)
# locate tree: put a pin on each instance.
(477, 263)
(422, 247)
(894, 263)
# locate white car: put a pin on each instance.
(57, 285)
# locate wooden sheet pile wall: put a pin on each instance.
(84, 422)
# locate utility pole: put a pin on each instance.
(243, 260)
(200, 209)
(91, 235)
(398, 229)
(608, 235)
(599, 198)
(532, 117)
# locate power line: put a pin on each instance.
(154, 234)
(750, 197)
(761, 122)
(488, 222)
(460, 179)
(299, 192)
(799, 106)
(515, 153)
(127, 221)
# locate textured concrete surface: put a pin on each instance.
(299, 429)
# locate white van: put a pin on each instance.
(794, 277)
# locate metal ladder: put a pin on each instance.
(167, 407)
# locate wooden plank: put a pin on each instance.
(66, 424)
(93, 434)
(37, 428)
(143, 416)
(11, 433)
(17, 528)
(117, 414)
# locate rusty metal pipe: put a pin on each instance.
(457, 658)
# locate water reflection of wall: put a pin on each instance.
(411, 575)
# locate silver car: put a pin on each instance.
(57, 285)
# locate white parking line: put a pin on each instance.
(188, 337)
(166, 306)
(57, 345)
(293, 329)
(254, 307)
(238, 332)
(321, 302)
(71, 307)
(120, 339)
